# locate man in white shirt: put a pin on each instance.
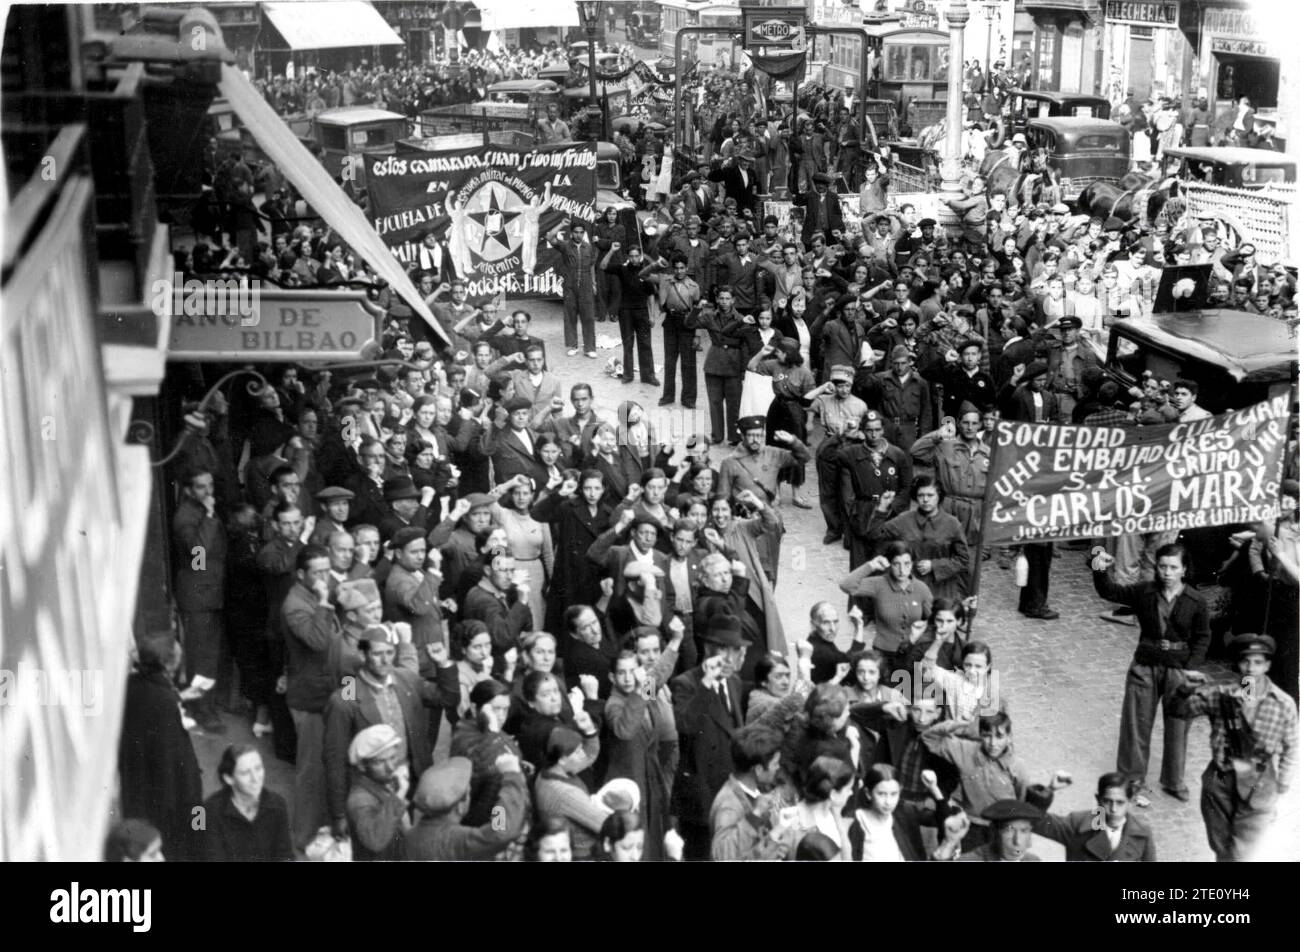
(1183, 399)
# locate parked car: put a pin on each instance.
(1022, 105)
(352, 131)
(1230, 167)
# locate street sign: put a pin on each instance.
(216, 322)
(775, 26)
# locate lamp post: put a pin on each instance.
(992, 13)
(950, 167)
(589, 11)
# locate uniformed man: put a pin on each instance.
(960, 459)
(1253, 743)
(1067, 366)
(840, 413)
(902, 396)
(753, 465)
(336, 505)
(874, 480)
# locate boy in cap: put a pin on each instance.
(376, 804)
(335, 503)
(1253, 745)
(443, 797)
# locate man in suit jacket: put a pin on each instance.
(739, 271)
(511, 447)
(539, 388)
(200, 546)
(614, 559)
(500, 604)
(738, 179)
(821, 211)
(1108, 833)
(696, 198)
(365, 701)
(707, 707)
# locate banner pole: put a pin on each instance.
(986, 512)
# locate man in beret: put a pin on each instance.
(1012, 823)
(613, 559)
(443, 797)
(335, 503)
(875, 477)
(755, 466)
(376, 805)
(1253, 744)
(707, 706)
(678, 296)
(384, 694)
(511, 445)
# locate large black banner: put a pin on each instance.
(491, 206)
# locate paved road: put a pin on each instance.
(1064, 679)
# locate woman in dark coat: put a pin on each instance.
(245, 822)
(608, 286)
(640, 747)
(160, 780)
(576, 521)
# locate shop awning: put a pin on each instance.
(312, 25)
(301, 168)
(1085, 9)
(519, 14)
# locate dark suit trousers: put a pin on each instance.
(1232, 825)
(1034, 595)
(634, 327)
(580, 305)
(722, 389)
(203, 634)
(1146, 687)
(679, 342)
(828, 484)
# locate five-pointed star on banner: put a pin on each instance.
(494, 200)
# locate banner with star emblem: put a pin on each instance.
(490, 208)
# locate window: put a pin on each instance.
(333, 137)
(607, 175)
(1098, 143)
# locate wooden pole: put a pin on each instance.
(986, 513)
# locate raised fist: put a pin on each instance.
(1101, 560)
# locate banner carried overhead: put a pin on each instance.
(1086, 482)
(491, 207)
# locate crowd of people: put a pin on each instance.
(460, 543)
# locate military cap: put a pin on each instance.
(926, 223)
(331, 493)
(479, 501)
(841, 372)
(443, 785)
(1070, 321)
(1253, 644)
(754, 422)
(357, 593)
(1004, 811)
(965, 408)
(900, 352)
(377, 634)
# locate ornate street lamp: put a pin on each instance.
(992, 14)
(589, 11)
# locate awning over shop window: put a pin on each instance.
(301, 168)
(312, 25)
(1085, 9)
(518, 14)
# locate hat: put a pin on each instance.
(821, 178)
(969, 342)
(872, 416)
(1036, 369)
(1019, 139)
(967, 407)
(400, 487)
(518, 403)
(405, 536)
(635, 569)
(1253, 644)
(690, 176)
(900, 352)
(378, 634)
(926, 223)
(1060, 208)
(724, 629)
(1005, 811)
(372, 742)
(841, 372)
(754, 422)
(443, 785)
(745, 154)
(479, 501)
(621, 793)
(331, 493)
(357, 593)
(1113, 224)
(1070, 321)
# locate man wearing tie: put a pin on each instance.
(707, 709)
(822, 212)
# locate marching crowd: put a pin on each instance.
(458, 543)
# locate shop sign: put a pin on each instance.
(1145, 14)
(1223, 44)
(1230, 22)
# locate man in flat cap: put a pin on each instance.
(755, 466)
(335, 510)
(384, 694)
(902, 396)
(839, 413)
(707, 708)
(376, 805)
(1253, 744)
(822, 209)
(442, 798)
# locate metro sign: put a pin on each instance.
(777, 31)
(775, 26)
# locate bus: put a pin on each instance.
(708, 50)
(912, 70)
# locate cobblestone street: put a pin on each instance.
(1064, 679)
